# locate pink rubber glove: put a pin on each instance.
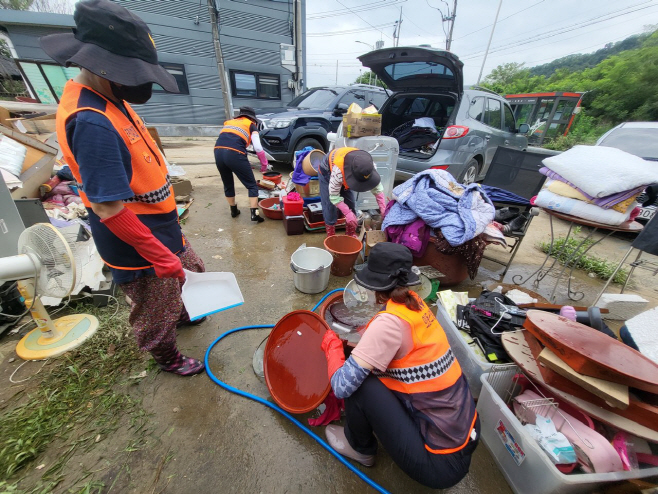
(350, 218)
(331, 230)
(333, 351)
(263, 161)
(568, 312)
(381, 202)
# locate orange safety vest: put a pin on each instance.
(429, 367)
(238, 126)
(153, 201)
(337, 159)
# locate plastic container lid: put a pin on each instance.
(294, 364)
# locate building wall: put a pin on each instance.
(250, 35)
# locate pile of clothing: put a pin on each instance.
(596, 183)
(416, 135)
(433, 204)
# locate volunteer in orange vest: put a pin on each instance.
(122, 174)
(231, 157)
(341, 173)
(402, 384)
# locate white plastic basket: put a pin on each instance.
(519, 457)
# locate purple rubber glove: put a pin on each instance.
(350, 217)
(381, 202)
(568, 312)
(263, 161)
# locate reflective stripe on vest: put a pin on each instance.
(430, 365)
(337, 158)
(240, 127)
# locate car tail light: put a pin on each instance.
(439, 167)
(455, 132)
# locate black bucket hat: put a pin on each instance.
(250, 113)
(389, 265)
(111, 42)
(360, 173)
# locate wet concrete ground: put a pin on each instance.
(221, 442)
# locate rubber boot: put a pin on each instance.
(234, 211)
(331, 230)
(255, 215)
(171, 360)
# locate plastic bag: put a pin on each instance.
(554, 443)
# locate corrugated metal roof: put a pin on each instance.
(8, 67)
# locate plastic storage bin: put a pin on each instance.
(384, 151)
(293, 208)
(529, 470)
(471, 365)
(294, 225)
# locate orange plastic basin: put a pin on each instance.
(294, 364)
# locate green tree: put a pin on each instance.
(16, 4)
(370, 78)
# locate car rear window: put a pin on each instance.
(640, 142)
(402, 70)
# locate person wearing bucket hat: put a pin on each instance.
(231, 157)
(342, 172)
(402, 385)
(122, 175)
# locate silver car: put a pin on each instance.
(640, 139)
(469, 124)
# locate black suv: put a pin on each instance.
(310, 116)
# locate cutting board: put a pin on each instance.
(613, 393)
(591, 352)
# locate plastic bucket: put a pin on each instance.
(345, 250)
(311, 269)
(311, 162)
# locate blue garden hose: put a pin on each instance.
(277, 408)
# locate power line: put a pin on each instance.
(361, 8)
(363, 18)
(350, 31)
(504, 18)
(505, 44)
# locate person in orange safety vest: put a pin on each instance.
(231, 158)
(402, 383)
(122, 175)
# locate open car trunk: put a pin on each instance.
(418, 121)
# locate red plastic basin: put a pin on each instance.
(294, 364)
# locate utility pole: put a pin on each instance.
(299, 39)
(399, 24)
(223, 76)
(452, 25)
(493, 28)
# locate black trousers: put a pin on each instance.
(373, 410)
(229, 162)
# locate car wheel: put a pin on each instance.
(308, 141)
(470, 173)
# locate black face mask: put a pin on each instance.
(133, 94)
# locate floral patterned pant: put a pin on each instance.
(157, 307)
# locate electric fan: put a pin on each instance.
(46, 266)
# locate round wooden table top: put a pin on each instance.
(627, 226)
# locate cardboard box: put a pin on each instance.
(44, 124)
(373, 237)
(362, 124)
(311, 189)
(182, 186)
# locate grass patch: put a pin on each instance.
(592, 264)
(79, 401)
